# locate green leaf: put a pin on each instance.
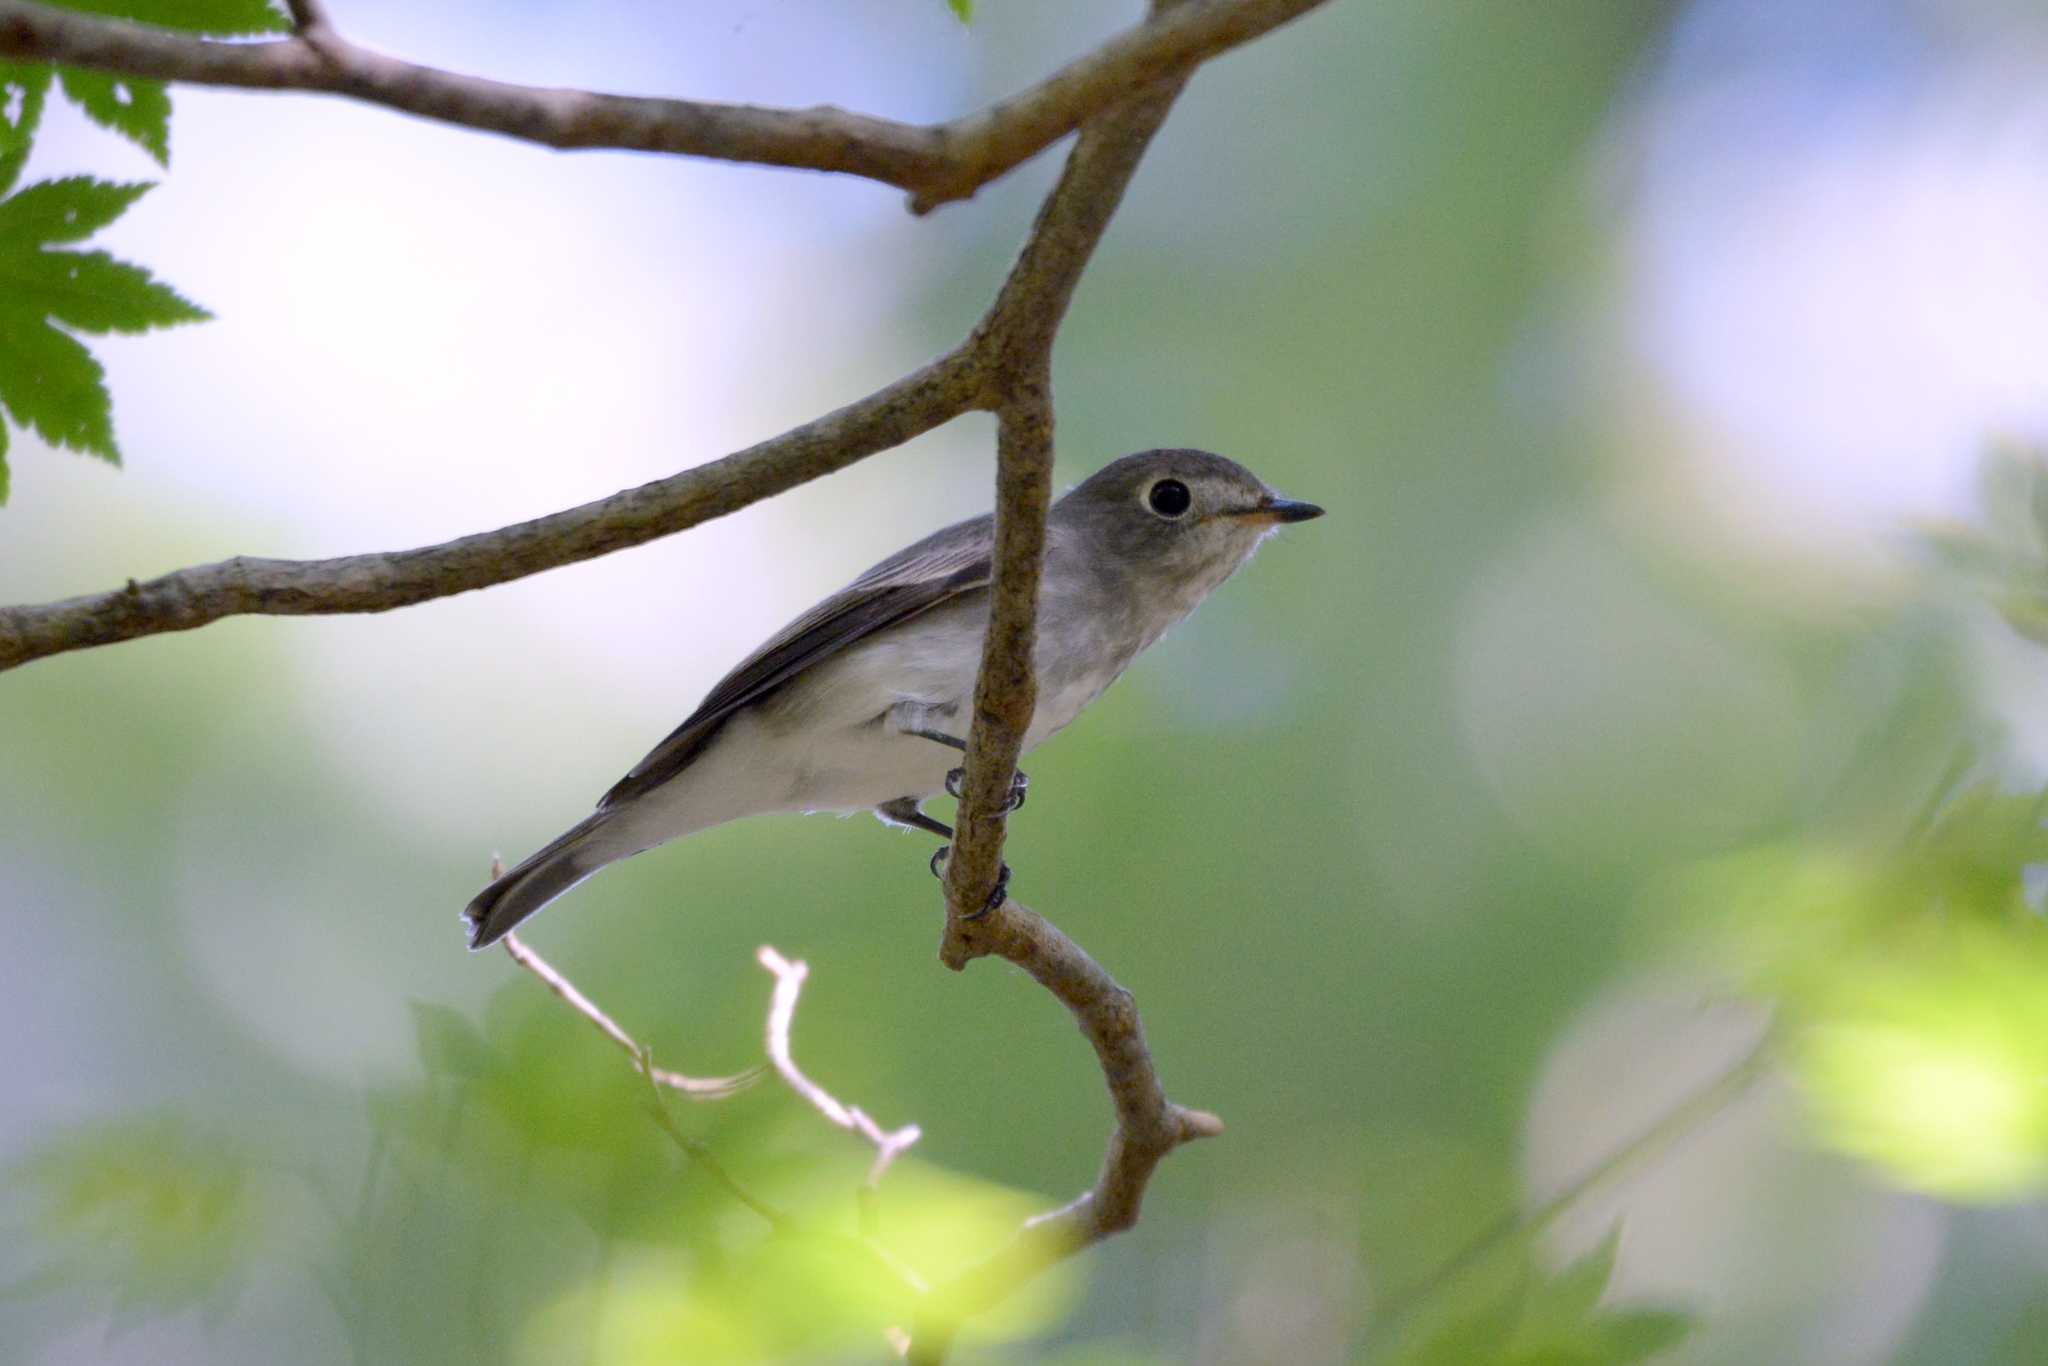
(139, 110)
(221, 18)
(962, 10)
(91, 291)
(52, 385)
(23, 90)
(49, 382)
(69, 210)
(1576, 1291)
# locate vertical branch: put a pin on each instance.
(1006, 688)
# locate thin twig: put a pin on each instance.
(696, 1088)
(697, 1150)
(936, 163)
(789, 983)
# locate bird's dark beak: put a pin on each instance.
(1287, 510)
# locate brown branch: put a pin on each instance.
(1016, 336)
(696, 1088)
(1018, 333)
(936, 163)
(194, 597)
(309, 17)
(1148, 1125)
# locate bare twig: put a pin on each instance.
(696, 1088)
(696, 1149)
(936, 163)
(781, 1015)
(789, 982)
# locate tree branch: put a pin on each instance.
(1018, 334)
(189, 598)
(1006, 351)
(1148, 1125)
(936, 163)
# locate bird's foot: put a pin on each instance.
(1020, 786)
(997, 895)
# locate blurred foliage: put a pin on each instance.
(147, 1216)
(1552, 1320)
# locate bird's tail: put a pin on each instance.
(566, 861)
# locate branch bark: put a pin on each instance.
(1148, 1125)
(1018, 335)
(936, 163)
(189, 598)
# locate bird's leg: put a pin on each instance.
(1020, 783)
(904, 811)
(997, 894)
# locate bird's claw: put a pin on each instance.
(1020, 786)
(997, 894)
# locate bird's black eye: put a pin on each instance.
(1169, 498)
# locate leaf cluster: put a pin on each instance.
(50, 383)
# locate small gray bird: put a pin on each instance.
(862, 702)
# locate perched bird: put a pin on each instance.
(862, 703)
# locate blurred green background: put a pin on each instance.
(1664, 686)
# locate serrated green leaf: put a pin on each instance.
(23, 91)
(963, 10)
(224, 18)
(91, 291)
(49, 382)
(52, 385)
(139, 110)
(67, 210)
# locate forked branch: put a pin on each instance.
(936, 163)
(1012, 341)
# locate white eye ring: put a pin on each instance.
(1169, 498)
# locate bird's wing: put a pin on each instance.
(916, 579)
